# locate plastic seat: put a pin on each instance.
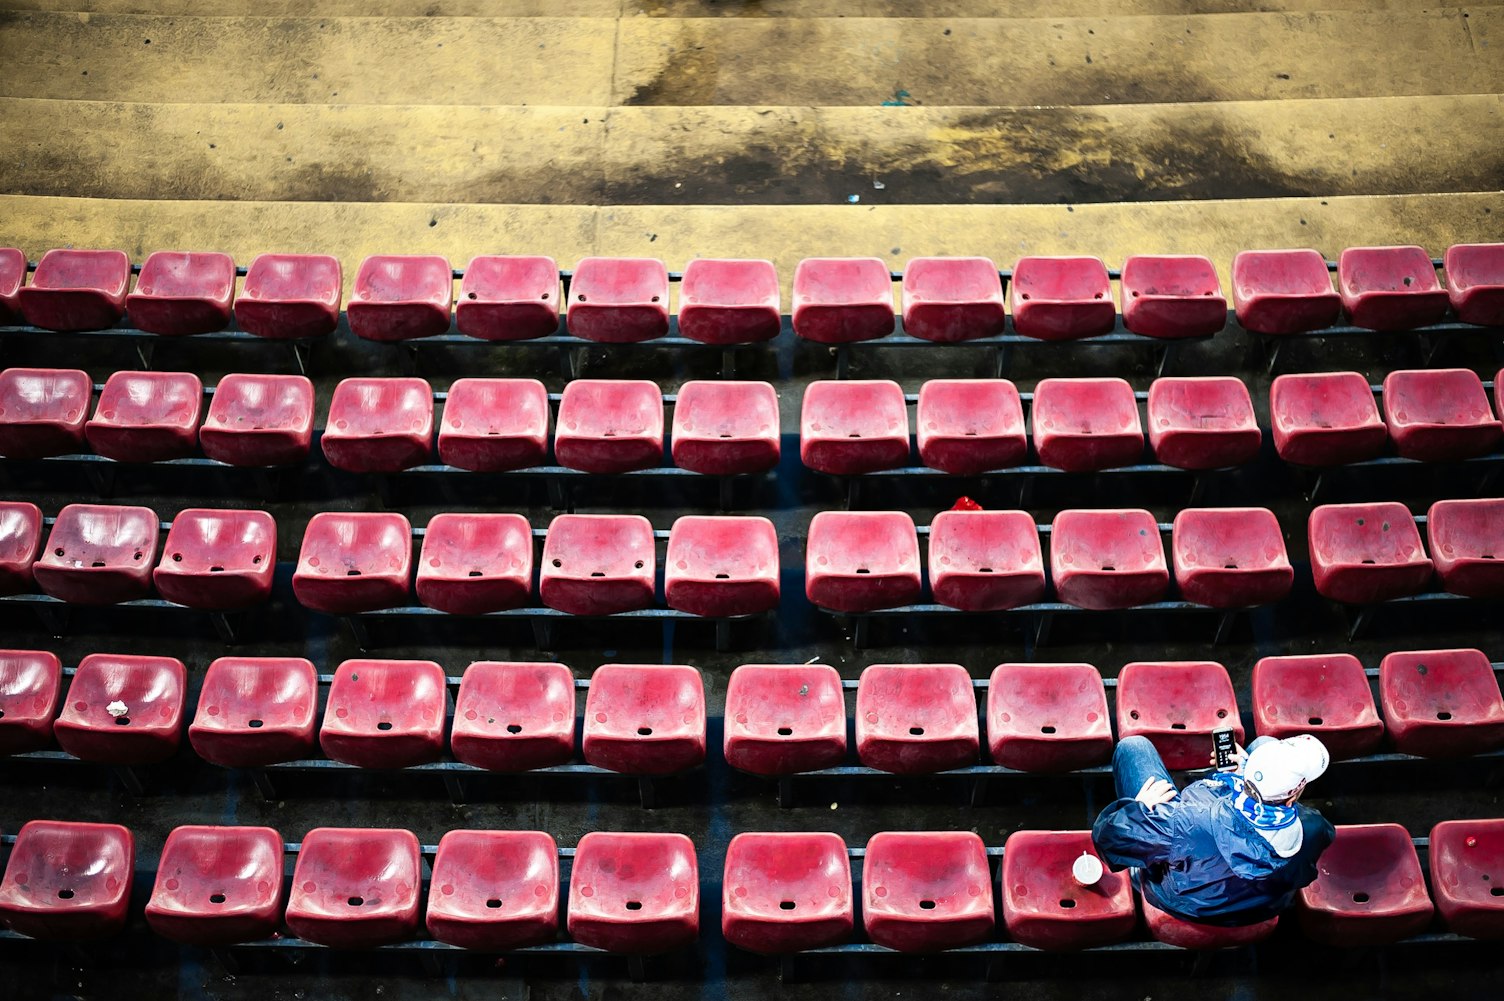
(356, 888)
(782, 719)
(354, 562)
(12, 277)
(1171, 930)
(77, 290)
(153, 690)
(290, 296)
(968, 426)
(1325, 419)
(729, 301)
(494, 425)
(1061, 298)
(1230, 557)
(1043, 905)
(183, 293)
(513, 717)
(861, 561)
(259, 420)
(98, 554)
(913, 719)
(1047, 717)
(1467, 876)
(1467, 546)
(1082, 425)
(598, 564)
(218, 885)
(472, 564)
(1107, 559)
(645, 719)
(1475, 282)
(1202, 422)
(20, 544)
(952, 299)
(385, 713)
(725, 428)
(218, 559)
(784, 893)
(42, 411)
(508, 298)
(379, 425)
(1177, 705)
(1390, 288)
(1369, 889)
(721, 566)
(610, 425)
(924, 891)
(619, 300)
(1283, 291)
(147, 416)
(494, 890)
(1172, 295)
(1441, 703)
(1322, 694)
(1439, 415)
(984, 561)
(401, 297)
(840, 300)
(68, 881)
(851, 426)
(256, 711)
(634, 893)
(1362, 553)
(30, 685)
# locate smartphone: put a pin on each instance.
(1224, 744)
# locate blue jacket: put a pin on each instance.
(1202, 860)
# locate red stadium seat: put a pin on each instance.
(1177, 705)
(924, 891)
(385, 713)
(289, 296)
(255, 711)
(861, 561)
(147, 416)
(839, 300)
(912, 719)
(1082, 425)
(1061, 298)
(68, 881)
(218, 559)
(784, 718)
(729, 301)
(598, 564)
(1202, 422)
(1172, 295)
(1441, 703)
(379, 425)
(1230, 557)
(30, 684)
(183, 293)
(42, 411)
(1107, 559)
(20, 544)
(77, 290)
(645, 719)
(610, 425)
(400, 297)
(1043, 905)
(1467, 876)
(634, 893)
(512, 717)
(1369, 889)
(721, 566)
(12, 277)
(472, 564)
(218, 885)
(1325, 419)
(854, 426)
(619, 300)
(1362, 553)
(259, 420)
(1390, 288)
(354, 562)
(951, 299)
(1322, 694)
(494, 890)
(1467, 546)
(1439, 415)
(356, 888)
(150, 730)
(1283, 291)
(1167, 928)
(1475, 282)
(1048, 717)
(983, 561)
(98, 554)
(494, 425)
(968, 426)
(724, 428)
(513, 298)
(784, 893)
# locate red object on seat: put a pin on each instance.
(634, 893)
(1441, 703)
(1230, 557)
(183, 293)
(1172, 295)
(721, 566)
(1043, 905)
(98, 554)
(1467, 876)
(379, 425)
(354, 562)
(784, 893)
(1061, 298)
(356, 888)
(610, 425)
(385, 713)
(508, 298)
(840, 300)
(1438, 415)
(1322, 694)
(1048, 717)
(12, 277)
(952, 299)
(512, 717)
(645, 719)
(259, 420)
(724, 428)
(42, 411)
(912, 719)
(20, 544)
(1362, 553)
(494, 890)
(400, 297)
(472, 564)
(493, 425)
(218, 885)
(218, 559)
(1467, 546)
(983, 561)
(153, 690)
(1107, 559)
(1369, 889)
(255, 711)
(861, 561)
(924, 891)
(1177, 705)
(68, 881)
(784, 718)
(1390, 288)
(1171, 930)
(1082, 425)
(30, 683)
(619, 300)
(729, 301)
(290, 296)
(1283, 291)
(850, 426)
(1202, 422)
(598, 564)
(77, 290)
(1325, 419)
(147, 416)
(1475, 282)
(968, 426)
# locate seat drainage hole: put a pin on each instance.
(1368, 563)
(634, 905)
(1315, 721)
(1443, 716)
(255, 724)
(1229, 566)
(862, 570)
(65, 894)
(1067, 903)
(1109, 567)
(352, 573)
(1047, 729)
(216, 569)
(177, 557)
(2, 713)
(97, 563)
(356, 901)
(493, 903)
(1360, 898)
(558, 563)
(473, 573)
(984, 570)
(1177, 726)
(1496, 891)
(786, 905)
(644, 731)
(926, 905)
(216, 898)
(784, 731)
(122, 721)
(638, 564)
(597, 573)
(916, 731)
(384, 725)
(1221, 713)
(1133, 714)
(723, 576)
(513, 728)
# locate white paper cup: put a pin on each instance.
(1087, 869)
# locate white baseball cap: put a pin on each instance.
(1277, 767)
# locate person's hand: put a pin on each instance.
(1238, 756)
(1156, 792)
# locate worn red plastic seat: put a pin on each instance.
(1082, 425)
(968, 426)
(30, 684)
(634, 893)
(1441, 703)
(1475, 282)
(1283, 291)
(494, 890)
(1230, 557)
(147, 416)
(784, 718)
(1172, 296)
(68, 881)
(951, 299)
(924, 891)
(721, 566)
(77, 290)
(840, 300)
(1047, 717)
(598, 564)
(42, 411)
(290, 296)
(12, 277)
(912, 719)
(645, 719)
(98, 554)
(729, 301)
(1171, 930)
(1369, 889)
(1467, 546)
(850, 426)
(259, 420)
(218, 559)
(1322, 694)
(724, 428)
(982, 561)
(354, 562)
(610, 425)
(183, 293)
(1202, 422)
(472, 564)
(508, 298)
(356, 888)
(20, 543)
(217, 885)
(493, 425)
(1043, 905)
(1107, 559)
(1061, 298)
(1177, 705)
(1325, 419)
(401, 297)
(385, 713)
(784, 893)
(512, 717)
(861, 561)
(379, 425)
(1439, 415)
(1390, 288)
(153, 690)
(255, 711)
(1467, 876)
(619, 300)
(1362, 553)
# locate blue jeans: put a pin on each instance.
(1135, 761)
